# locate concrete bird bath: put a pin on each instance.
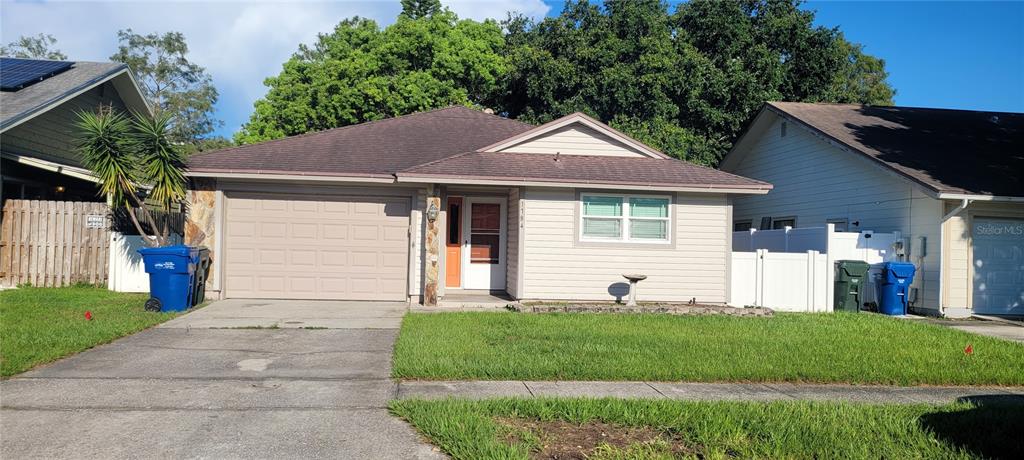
(633, 280)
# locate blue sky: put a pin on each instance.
(967, 55)
(960, 55)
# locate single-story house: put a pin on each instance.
(454, 200)
(950, 181)
(39, 100)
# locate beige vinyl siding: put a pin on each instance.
(558, 267)
(958, 281)
(51, 135)
(815, 181)
(512, 244)
(575, 139)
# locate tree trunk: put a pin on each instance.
(160, 241)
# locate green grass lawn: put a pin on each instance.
(854, 348)
(677, 429)
(39, 325)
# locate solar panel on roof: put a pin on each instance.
(16, 73)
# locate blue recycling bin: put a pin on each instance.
(170, 269)
(893, 287)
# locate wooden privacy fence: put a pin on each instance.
(54, 243)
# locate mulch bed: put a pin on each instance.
(663, 308)
(561, 440)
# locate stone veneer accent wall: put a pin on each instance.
(201, 226)
(433, 250)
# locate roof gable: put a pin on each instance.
(19, 106)
(575, 134)
(954, 152)
(376, 148)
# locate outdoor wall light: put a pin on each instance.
(432, 212)
(60, 189)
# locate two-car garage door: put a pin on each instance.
(285, 246)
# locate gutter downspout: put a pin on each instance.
(942, 254)
(963, 205)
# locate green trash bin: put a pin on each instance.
(202, 272)
(850, 279)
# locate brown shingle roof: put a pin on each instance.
(948, 151)
(428, 145)
(377, 148)
(579, 169)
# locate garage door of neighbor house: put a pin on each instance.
(316, 247)
(998, 266)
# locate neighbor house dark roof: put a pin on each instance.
(376, 148)
(18, 105)
(948, 151)
(580, 169)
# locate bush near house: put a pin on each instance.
(40, 325)
(634, 429)
(795, 347)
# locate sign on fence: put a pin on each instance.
(95, 221)
(53, 243)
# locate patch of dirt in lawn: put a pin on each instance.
(561, 440)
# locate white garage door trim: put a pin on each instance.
(298, 238)
(997, 255)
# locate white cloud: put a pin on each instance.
(239, 42)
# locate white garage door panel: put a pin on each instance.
(998, 248)
(316, 247)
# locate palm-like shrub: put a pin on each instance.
(131, 153)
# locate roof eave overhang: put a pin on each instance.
(977, 197)
(70, 171)
(290, 176)
(534, 182)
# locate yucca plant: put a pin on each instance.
(130, 153)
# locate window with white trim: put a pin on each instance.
(625, 218)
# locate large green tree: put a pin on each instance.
(685, 82)
(429, 58)
(174, 84)
(41, 46)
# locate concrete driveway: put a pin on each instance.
(1000, 329)
(187, 390)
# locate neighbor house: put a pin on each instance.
(39, 100)
(950, 181)
(454, 200)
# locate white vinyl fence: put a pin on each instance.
(794, 269)
(782, 281)
(126, 272)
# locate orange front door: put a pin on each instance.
(453, 244)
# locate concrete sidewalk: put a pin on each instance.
(702, 391)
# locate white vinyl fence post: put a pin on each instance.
(812, 285)
(759, 277)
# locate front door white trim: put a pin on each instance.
(484, 276)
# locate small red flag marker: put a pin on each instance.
(969, 350)
(88, 315)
